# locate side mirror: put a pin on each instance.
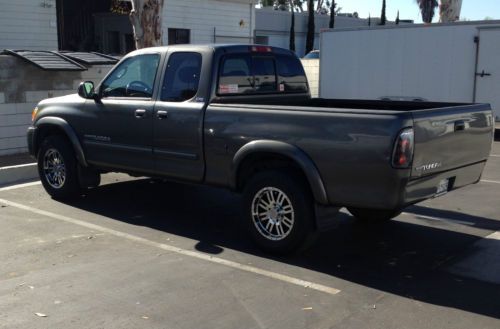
(86, 90)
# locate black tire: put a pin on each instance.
(374, 215)
(298, 227)
(59, 146)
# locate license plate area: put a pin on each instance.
(443, 187)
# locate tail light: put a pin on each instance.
(402, 155)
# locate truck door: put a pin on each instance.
(178, 119)
(117, 130)
(488, 73)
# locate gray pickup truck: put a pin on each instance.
(241, 117)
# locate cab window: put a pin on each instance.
(182, 77)
(134, 77)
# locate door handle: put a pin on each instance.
(162, 114)
(140, 113)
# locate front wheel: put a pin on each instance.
(57, 167)
(279, 211)
(374, 215)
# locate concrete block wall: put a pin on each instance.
(22, 86)
(311, 67)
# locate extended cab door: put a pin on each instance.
(178, 118)
(118, 130)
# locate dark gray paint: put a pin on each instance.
(344, 147)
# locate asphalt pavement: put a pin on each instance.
(136, 253)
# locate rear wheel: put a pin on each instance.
(57, 167)
(374, 215)
(279, 211)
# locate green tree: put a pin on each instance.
(383, 18)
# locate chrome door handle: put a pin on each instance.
(162, 114)
(140, 113)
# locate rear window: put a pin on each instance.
(291, 74)
(260, 74)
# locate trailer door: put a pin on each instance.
(488, 69)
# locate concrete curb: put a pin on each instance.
(17, 174)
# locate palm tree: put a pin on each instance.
(427, 8)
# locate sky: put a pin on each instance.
(408, 9)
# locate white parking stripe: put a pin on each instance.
(439, 219)
(490, 181)
(14, 187)
(19, 166)
(495, 155)
(190, 253)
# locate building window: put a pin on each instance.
(178, 36)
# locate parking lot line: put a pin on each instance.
(490, 181)
(166, 247)
(495, 155)
(14, 187)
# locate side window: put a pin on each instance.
(264, 74)
(181, 77)
(292, 77)
(235, 76)
(133, 78)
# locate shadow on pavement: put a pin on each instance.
(396, 257)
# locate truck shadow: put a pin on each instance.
(396, 257)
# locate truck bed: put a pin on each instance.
(351, 142)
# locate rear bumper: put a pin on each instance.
(426, 187)
(30, 135)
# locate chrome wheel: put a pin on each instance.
(272, 213)
(54, 168)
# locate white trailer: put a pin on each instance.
(457, 62)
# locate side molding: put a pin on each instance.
(70, 133)
(290, 151)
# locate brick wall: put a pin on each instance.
(22, 86)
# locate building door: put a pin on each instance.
(488, 69)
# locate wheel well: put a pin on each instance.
(45, 131)
(266, 161)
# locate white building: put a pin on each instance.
(272, 27)
(90, 25)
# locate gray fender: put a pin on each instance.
(70, 133)
(290, 151)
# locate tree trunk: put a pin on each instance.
(331, 24)
(146, 17)
(449, 10)
(292, 27)
(310, 27)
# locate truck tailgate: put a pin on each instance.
(449, 138)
